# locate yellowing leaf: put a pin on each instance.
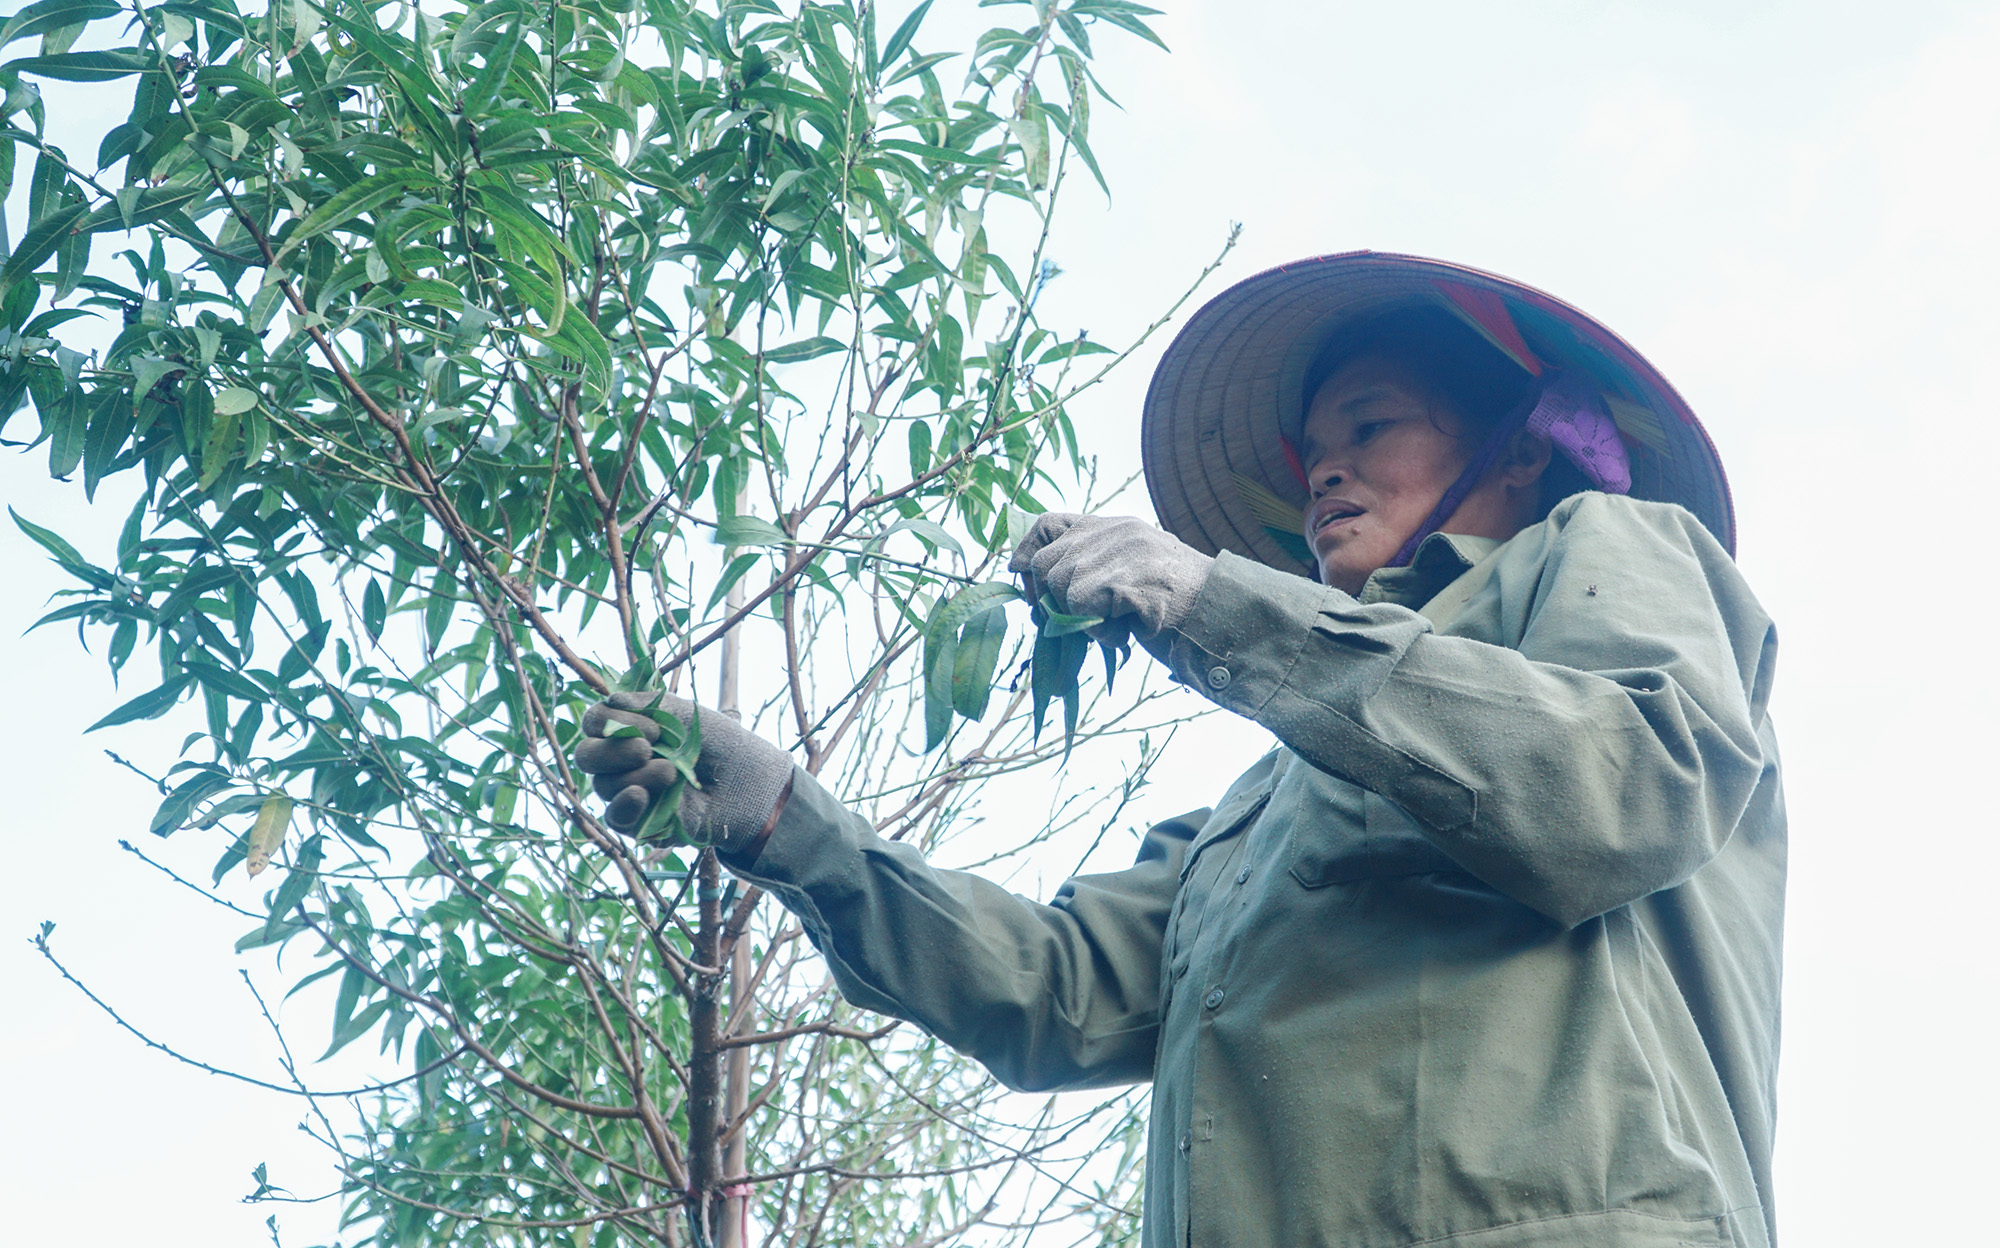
(274, 819)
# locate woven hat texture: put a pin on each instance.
(1227, 399)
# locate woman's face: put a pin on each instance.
(1380, 448)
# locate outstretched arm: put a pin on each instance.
(1045, 996)
(1607, 755)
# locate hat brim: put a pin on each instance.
(1229, 392)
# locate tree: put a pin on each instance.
(469, 359)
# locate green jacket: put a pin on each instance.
(1487, 955)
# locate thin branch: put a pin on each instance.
(41, 943)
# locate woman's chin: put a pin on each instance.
(1337, 573)
(1347, 565)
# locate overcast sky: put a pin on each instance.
(1789, 206)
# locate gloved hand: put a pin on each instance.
(1137, 578)
(742, 776)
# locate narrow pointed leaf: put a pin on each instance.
(978, 655)
(274, 819)
(149, 705)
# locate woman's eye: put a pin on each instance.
(1367, 429)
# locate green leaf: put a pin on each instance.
(978, 655)
(67, 428)
(640, 674)
(235, 401)
(919, 65)
(905, 32)
(149, 370)
(269, 934)
(39, 243)
(438, 609)
(662, 824)
(65, 554)
(80, 66)
(499, 64)
(47, 15)
(734, 573)
(941, 645)
(810, 349)
(1044, 678)
(1125, 16)
(924, 527)
(972, 276)
(299, 880)
(110, 426)
(136, 206)
(749, 531)
(1057, 624)
(1114, 657)
(149, 705)
(364, 196)
(1075, 649)
(374, 609)
(219, 447)
(937, 155)
(179, 806)
(940, 668)
(354, 1028)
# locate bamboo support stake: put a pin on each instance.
(733, 1230)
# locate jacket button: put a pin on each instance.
(1243, 876)
(1213, 999)
(1187, 1140)
(1218, 678)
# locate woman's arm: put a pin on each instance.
(1045, 996)
(1606, 755)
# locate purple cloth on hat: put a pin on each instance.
(1571, 414)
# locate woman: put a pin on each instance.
(1487, 952)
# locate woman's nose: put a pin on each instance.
(1324, 477)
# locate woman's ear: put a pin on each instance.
(1526, 458)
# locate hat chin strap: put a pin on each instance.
(1574, 421)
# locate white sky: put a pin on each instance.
(1789, 206)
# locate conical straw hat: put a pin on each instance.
(1227, 399)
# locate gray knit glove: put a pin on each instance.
(742, 776)
(1139, 579)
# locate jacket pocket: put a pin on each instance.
(1342, 832)
(1229, 818)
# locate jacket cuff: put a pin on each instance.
(1306, 661)
(800, 841)
(1246, 630)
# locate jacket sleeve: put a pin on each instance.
(1607, 756)
(1062, 995)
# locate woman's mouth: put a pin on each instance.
(1331, 511)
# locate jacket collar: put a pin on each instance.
(1441, 559)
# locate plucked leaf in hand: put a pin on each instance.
(941, 645)
(1058, 624)
(1075, 648)
(663, 819)
(978, 655)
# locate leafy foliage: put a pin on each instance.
(462, 357)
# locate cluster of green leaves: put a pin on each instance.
(445, 351)
(963, 642)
